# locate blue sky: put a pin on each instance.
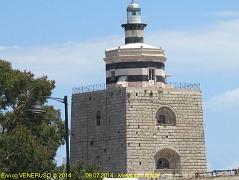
(66, 41)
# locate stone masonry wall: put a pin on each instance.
(129, 138)
(104, 145)
(145, 138)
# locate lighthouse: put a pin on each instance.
(137, 122)
(135, 64)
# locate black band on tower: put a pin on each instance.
(129, 40)
(134, 26)
(135, 64)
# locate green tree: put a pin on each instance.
(28, 142)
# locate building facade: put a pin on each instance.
(138, 122)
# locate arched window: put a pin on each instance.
(167, 159)
(166, 116)
(163, 164)
(98, 118)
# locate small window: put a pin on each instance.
(98, 118)
(151, 94)
(112, 75)
(165, 116)
(151, 74)
(163, 164)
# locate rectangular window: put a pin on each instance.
(151, 74)
(112, 75)
(98, 118)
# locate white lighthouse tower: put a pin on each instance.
(134, 28)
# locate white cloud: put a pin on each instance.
(213, 48)
(67, 63)
(5, 48)
(229, 99)
(2, 48)
(227, 13)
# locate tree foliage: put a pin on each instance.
(28, 142)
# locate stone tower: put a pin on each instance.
(137, 122)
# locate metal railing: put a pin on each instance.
(184, 86)
(171, 85)
(89, 88)
(217, 173)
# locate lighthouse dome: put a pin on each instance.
(133, 6)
